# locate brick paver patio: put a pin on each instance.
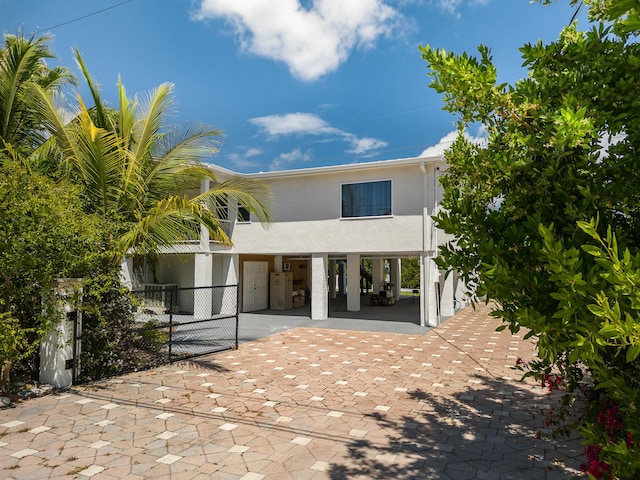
(304, 404)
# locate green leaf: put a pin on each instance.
(609, 331)
(593, 250)
(632, 353)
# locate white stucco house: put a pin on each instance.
(324, 221)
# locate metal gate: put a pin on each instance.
(197, 321)
(166, 324)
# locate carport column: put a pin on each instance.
(332, 279)
(202, 297)
(377, 274)
(342, 287)
(429, 277)
(446, 294)
(394, 276)
(230, 298)
(203, 272)
(126, 272)
(319, 287)
(353, 283)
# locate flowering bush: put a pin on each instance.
(598, 291)
(545, 214)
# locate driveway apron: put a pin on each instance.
(306, 403)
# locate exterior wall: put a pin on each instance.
(307, 212)
(365, 236)
(318, 196)
(176, 269)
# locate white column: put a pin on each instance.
(230, 275)
(332, 279)
(204, 233)
(353, 283)
(126, 272)
(342, 285)
(446, 294)
(394, 276)
(377, 274)
(319, 287)
(429, 277)
(203, 275)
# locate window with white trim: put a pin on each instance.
(366, 199)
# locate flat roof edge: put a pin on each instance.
(343, 167)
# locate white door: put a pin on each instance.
(255, 286)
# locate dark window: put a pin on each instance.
(369, 199)
(244, 215)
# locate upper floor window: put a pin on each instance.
(244, 215)
(366, 199)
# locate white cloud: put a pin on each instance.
(252, 152)
(242, 160)
(453, 6)
(312, 41)
(449, 6)
(292, 124)
(439, 148)
(366, 145)
(446, 141)
(275, 126)
(295, 157)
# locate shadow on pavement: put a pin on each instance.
(489, 433)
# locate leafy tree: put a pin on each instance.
(44, 235)
(410, 273)
(134, 169)
(78, 195)
(546, 214)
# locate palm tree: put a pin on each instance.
(23, 66)
(135, 170)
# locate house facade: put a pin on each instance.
(325, 220)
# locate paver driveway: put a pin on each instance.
(304, 404)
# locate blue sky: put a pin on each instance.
(291, 83)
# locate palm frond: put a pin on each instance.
(173, 219)
(154, 106)
(22, 65)
(253, 195)
(100, 160)
(94, 88)
(52, 119)
(126, 115)
(45, 159)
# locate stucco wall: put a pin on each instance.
(318, 196)
(306, 210)
(390, 235)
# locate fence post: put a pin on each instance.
(237, 313)
(170, 323)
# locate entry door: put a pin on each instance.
(255, 286)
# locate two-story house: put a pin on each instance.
(324, 221)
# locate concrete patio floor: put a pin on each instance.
(305, 403)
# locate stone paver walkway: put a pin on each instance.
(304, 404)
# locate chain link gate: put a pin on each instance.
(167, 324)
